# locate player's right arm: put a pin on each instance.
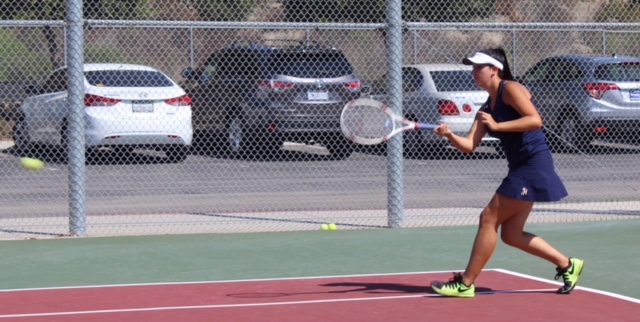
(468, 143)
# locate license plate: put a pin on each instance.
(142, 108)
(318, 96)
(634, 95)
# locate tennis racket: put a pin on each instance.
(369, 122)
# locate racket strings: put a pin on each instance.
(367, 122)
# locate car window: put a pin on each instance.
(57, 82)
(127, 78)
(565, 71)
(209, 70)
(454, 81)
(411, 79)
(310, 64)
(620, 72)
(235, 64)
(542, 72)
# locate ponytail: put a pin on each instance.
(500, 55)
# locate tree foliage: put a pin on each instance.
(223, 10)
(56, 9)
(375, 10)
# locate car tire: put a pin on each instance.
(21, 136)
(572, 135)
(176, 153)
(64, 137)
(235, 136)
(340, 147)
(413, 144)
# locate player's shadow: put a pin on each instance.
(377, 288)
(368, 288)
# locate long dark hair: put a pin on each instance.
(499, 54)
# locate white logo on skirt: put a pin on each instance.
(524, 192)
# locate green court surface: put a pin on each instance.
(608, 247)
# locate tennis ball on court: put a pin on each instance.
(324, 227)
(333, 226)
(31, 163)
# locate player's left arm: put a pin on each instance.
(519, 97)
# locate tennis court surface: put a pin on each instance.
(357, 275)
(387, 297)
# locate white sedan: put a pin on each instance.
(436, 93)
(125, 106)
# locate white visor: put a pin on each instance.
(482, 59)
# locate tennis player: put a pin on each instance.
(510, 115)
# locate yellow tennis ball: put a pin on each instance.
(31, 164)
(324, 227)
(333, 226)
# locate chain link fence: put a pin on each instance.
(201, 116)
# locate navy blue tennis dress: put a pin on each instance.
(532, 175)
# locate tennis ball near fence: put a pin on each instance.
(324, 227)
(31, 163)
(333, 226)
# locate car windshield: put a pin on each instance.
(621, 72)
(127, 78)
(310, 65)
(454, 81)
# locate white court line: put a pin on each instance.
(219, 306)
(618, 296)
(227, 281)
(587, 289)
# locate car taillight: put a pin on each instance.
(95, 100)
(467, 108)
(597, 90)
(184, 100)
(448, 108)
(275, 85)
(354, 86)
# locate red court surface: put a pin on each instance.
(501, 296)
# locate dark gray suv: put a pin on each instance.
(586, 97)
(253, 97)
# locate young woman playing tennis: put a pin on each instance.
(510, 115)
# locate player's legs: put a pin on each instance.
(568, 268)
(512, 234)
(511, 214)
(499, 209)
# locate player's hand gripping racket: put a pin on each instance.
(369, 122)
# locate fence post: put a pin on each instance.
(76, 126)
(395, 204)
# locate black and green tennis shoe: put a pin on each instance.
(570, 275)
(455, 287)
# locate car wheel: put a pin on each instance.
(413, 144)
(340, 147)
(176, 153)
(572, 134)
(64, 137)
(236, 139)
(21, 136)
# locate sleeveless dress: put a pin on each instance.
(532, 175)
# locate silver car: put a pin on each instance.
(436, 93)
(587, 97)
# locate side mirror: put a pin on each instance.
(33, 89)
(189, 73)
(366, 89)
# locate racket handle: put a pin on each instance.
(425, 126)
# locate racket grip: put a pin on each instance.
(425, 126)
